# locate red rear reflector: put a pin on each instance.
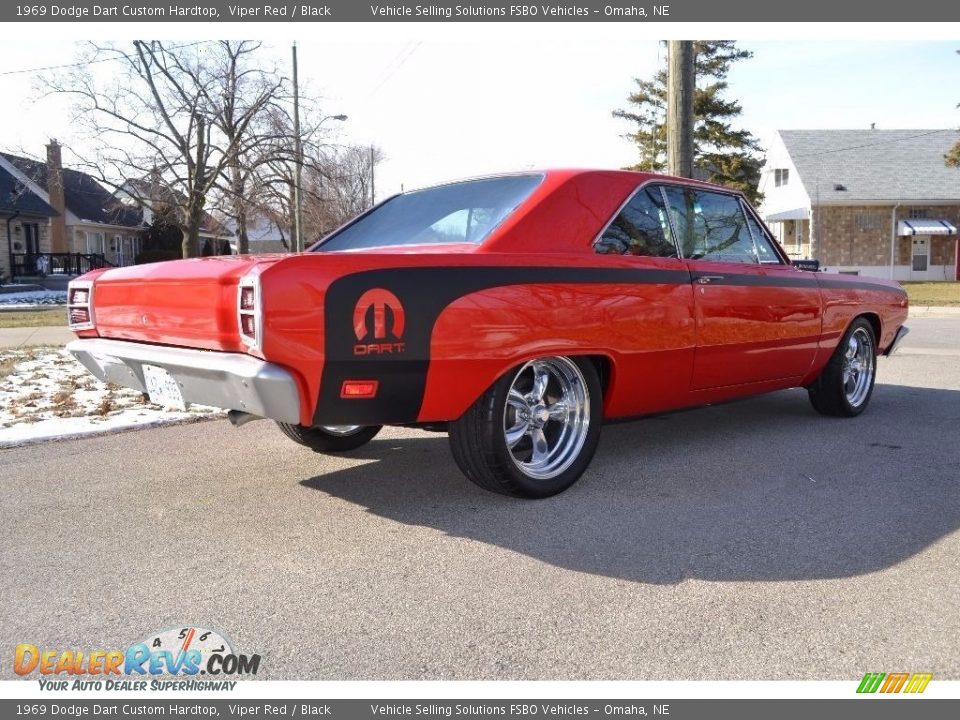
(358, 389)
(79, 316)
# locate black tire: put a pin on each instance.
(830, 394)
(479, 444)
(322, 441)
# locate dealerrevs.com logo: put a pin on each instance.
(173, 659)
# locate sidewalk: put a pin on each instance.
(921, 310)
(20, 337)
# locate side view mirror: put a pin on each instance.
(809, 265)
(610, 246)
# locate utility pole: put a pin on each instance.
(373, 194)
(298, 162)
(681, 83)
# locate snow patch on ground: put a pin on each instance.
(46, 393)
(34, 298)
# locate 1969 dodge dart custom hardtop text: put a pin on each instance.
(517, 312)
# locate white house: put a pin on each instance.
(872, 202)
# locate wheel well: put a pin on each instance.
(604, 370)
(874, 321)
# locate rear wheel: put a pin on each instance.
(535, 431)
(330, 438)
(846, 383)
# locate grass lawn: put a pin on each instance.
(933, 293)
(33, 318)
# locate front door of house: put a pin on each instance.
(920, 255)
(31, 236)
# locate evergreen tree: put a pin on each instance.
(722, 153)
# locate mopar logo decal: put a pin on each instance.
(379, 300)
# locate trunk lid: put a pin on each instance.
(190, 303)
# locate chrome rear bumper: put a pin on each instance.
(901, 334)
(232, 381)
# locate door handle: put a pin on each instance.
(707, 279)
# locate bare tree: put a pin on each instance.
(327, 178)
(171, 124)
(252, 98)
(341, 187)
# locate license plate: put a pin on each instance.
(162, 388)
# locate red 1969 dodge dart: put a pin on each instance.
(517, 312)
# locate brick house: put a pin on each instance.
(867, 202)
(24, 223)
(87, 219)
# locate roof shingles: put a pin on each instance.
(17, 198)
(84, 196)
(874, 165)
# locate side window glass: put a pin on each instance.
(711, 226)
(641, 228)
(765, 250)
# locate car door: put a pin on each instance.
(758, 318)
(649, 323)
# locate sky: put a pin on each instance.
(445, 105)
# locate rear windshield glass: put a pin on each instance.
(464, 212)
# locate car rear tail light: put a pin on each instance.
(246, 298)
(80, 305)
(79, 316)
(250, 312)
(358, 389)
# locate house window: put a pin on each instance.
(94, 243)
(866, 222)
(918, 213)
(781, 176)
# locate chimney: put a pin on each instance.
(58, 225)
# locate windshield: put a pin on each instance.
(464, 212)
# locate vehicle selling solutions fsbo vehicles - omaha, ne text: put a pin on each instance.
(517, 312)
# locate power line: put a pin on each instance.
(399, 65)
(89, 62)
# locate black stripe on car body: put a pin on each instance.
(424, 292)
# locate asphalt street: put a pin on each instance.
(754, 540)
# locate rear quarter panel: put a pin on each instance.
(645, 332)
(469, 318)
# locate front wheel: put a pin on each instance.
(846, 383)
(330, 438)
(535, 431)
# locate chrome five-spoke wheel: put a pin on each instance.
(535, 430)
(845, 384)
(330, 438)
(546, 417)
(858, 366)
(342, 430)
